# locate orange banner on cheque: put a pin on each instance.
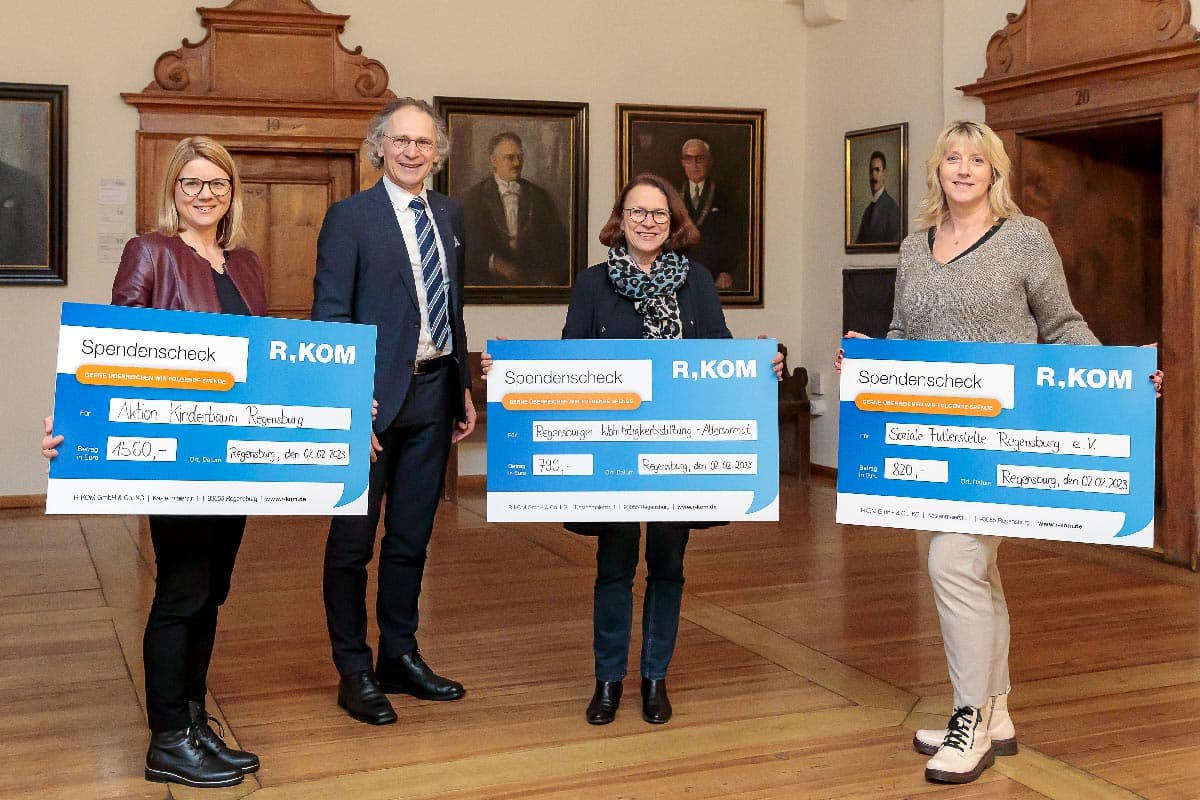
(926, 404)
(572, 401)
(154, 378)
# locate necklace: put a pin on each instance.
(956, 234)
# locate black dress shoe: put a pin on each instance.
(177, 757)
(603, 708)
(409, 674)
(656, 708)
(360, 695)
(212, 742)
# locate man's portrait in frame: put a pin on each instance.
(876, 182)
(519, 170)
(713, 157)
(32, 183)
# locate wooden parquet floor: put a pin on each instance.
(807, 654)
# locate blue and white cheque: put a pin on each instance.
(610, 430)
(179, 412)
(1022, 440)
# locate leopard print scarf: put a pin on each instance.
(654, 295)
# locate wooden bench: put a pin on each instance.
(795, 416)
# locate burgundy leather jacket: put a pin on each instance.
(159, 271)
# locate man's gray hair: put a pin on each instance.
(379, 123)
(701, 142)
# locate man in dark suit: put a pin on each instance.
(391, 256)
(720, 248)
(517, 237)
(881, 218)
(23, 217)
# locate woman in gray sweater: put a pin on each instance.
(976, 269)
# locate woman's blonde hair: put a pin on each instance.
(934, 208)
(231, 230)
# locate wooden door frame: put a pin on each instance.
(1127, 59)
(200, 89)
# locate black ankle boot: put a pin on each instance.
(656, 708)
(213, 743)
(603, 708)
(177, 757)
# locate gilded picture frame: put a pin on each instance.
(33, 183)
(714, 156)
(876, 189)
(520, 168)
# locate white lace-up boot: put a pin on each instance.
(965, 752)
(999, 727)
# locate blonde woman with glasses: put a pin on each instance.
(191, 261)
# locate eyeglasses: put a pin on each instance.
(402, 143)
(661, 216)
(194, 186)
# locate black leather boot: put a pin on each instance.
(656, 708)
(409, 674)
(603, 708)
(177, 757)
(213, 743)
(362, 698)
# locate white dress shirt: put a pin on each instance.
(510, 196)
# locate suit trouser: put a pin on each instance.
(972, 613)
(612, 609)
(410, 470)
(194, 558)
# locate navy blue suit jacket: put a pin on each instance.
(364, 276)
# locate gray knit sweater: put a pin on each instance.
(1009, 289)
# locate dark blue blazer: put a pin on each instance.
(364, 276)
(598, 312)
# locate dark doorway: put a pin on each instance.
(1099, 191)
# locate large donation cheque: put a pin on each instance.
(180, 412)
(611, 430)
(1023, 440)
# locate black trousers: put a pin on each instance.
(195, 557)
(410, 471)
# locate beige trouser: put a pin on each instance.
(972, 613)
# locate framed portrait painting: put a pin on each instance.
(876, 189)
(519, 167)
(714, 157)
(33, 183)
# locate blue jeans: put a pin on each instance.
(612, 616)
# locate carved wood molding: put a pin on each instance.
(1065, 66)
(277, 52)
(1055, 33)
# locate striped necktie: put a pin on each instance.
(431, 273)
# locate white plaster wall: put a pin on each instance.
(890, 61)
(743, 53)
(883, 65)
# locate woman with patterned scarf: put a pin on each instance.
(648, 289)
